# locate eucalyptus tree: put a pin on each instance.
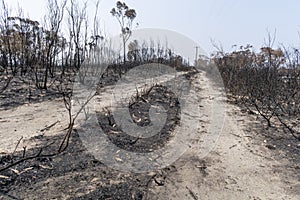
(125, 17)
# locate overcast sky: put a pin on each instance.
(227, 22)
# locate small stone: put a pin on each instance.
(270, 147)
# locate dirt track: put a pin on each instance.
(239, 167)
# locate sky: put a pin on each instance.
(207, 22)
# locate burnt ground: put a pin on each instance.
(139, 111)
(22, 181)
(31, 179)
(250, 161)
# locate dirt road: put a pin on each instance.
(240, 166)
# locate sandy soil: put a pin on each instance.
(30, 120)
(241, 166)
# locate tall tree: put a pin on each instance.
(53, 21)
(125, 17)
(77, 25)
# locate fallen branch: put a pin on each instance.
(195, 197)
(38, 155)
(50, 126)
(12, 155)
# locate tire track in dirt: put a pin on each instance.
(231, 171)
